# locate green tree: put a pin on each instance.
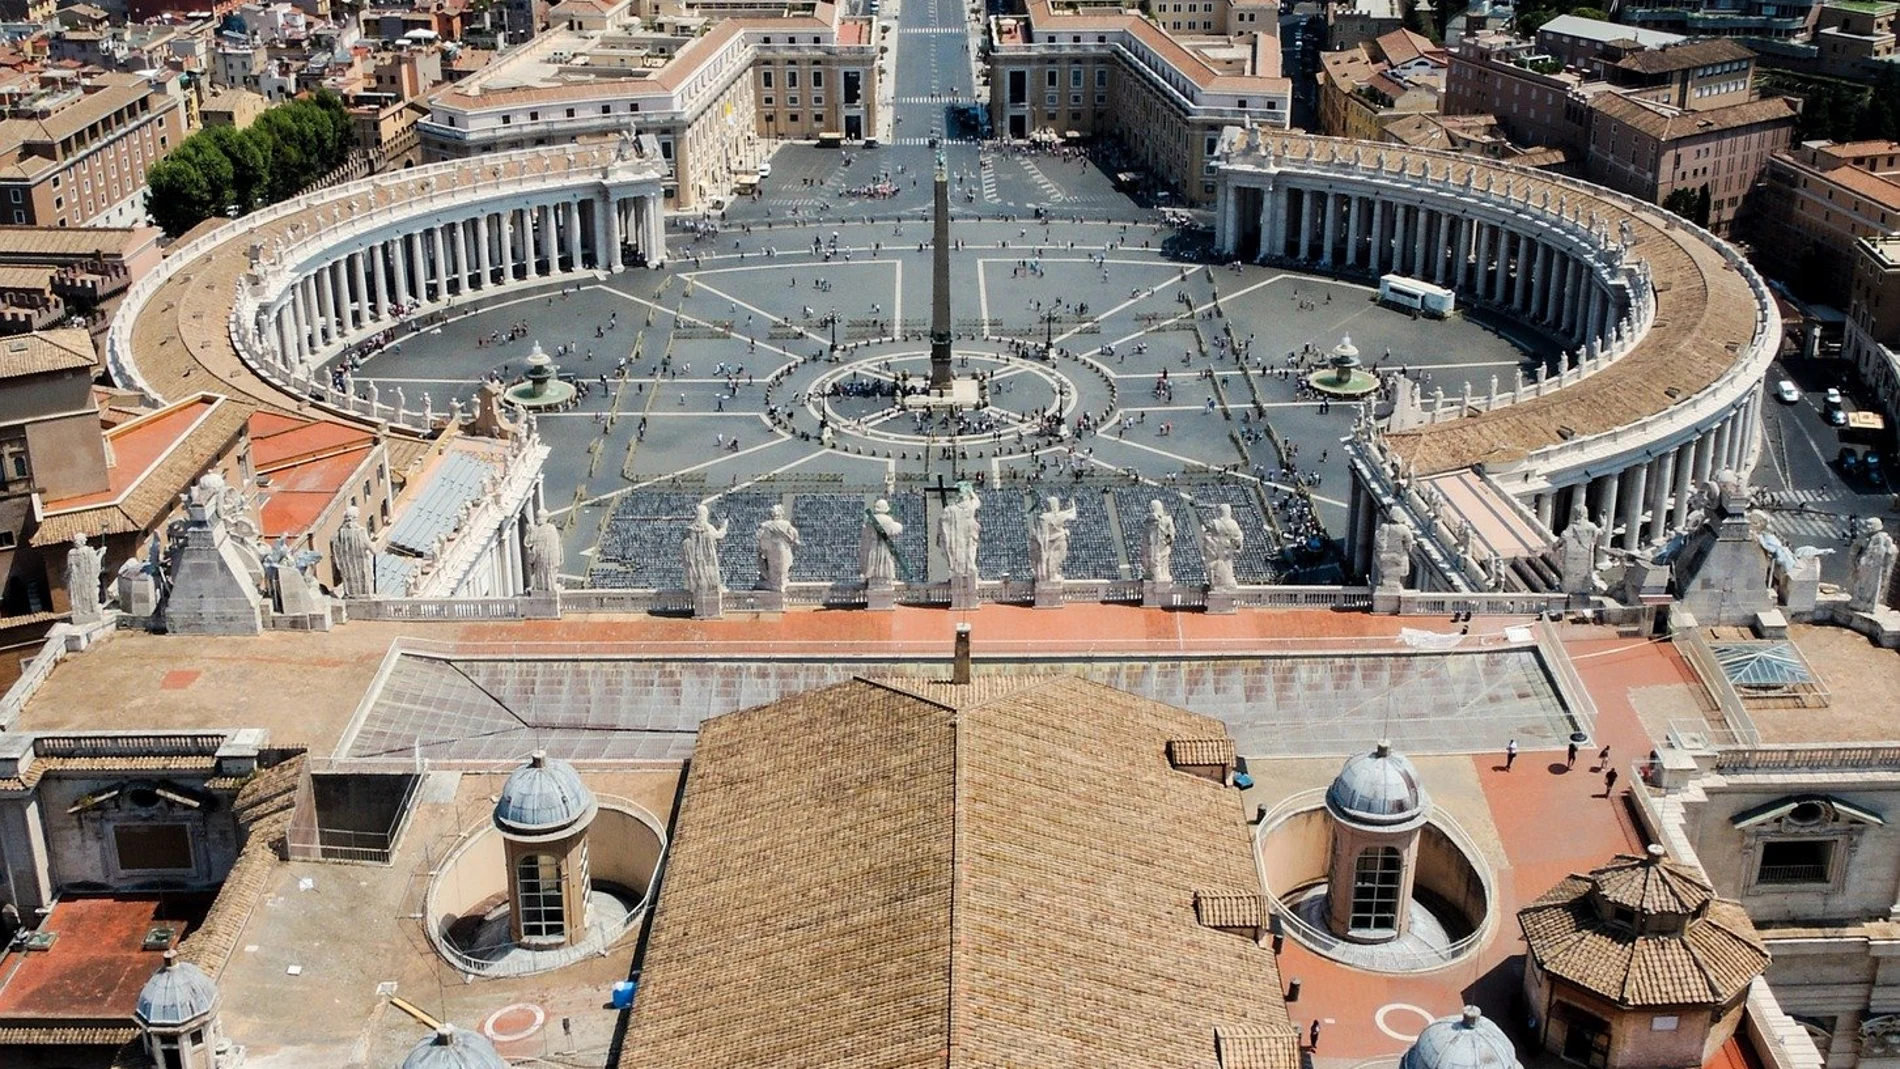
(249, 156)
(1681, 201)
(187, 187)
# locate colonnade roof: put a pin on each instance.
(1706, 312)
(180, 341)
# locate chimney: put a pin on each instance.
(960, 667)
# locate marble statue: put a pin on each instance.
(1049, 542)
(701, 552)
(83, 564)
(777, 539)
(1871, 561)
(1392, 555)
(1220, 544)
(354, 557)
(1577, 550)
(957, 532)
(542, 552)
(1157, 552)
(877, 545)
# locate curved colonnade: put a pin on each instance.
(1667, 330)
(261, 303)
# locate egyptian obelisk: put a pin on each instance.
(940, 373)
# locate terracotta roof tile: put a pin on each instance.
(947, 894)
(46, 350)
(1205, 751)
(1709, 962)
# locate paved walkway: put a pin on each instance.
(1546, 821)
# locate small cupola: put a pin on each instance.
(1379, 789)
(454, 1048)
(543, 799)
(1467, 1041)
(177, 1014)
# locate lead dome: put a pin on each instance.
(1378, 789)
(177, 994)
(1467, 1041)
(544, 797)
(454, 1048)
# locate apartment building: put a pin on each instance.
(75, 153)
(1819, 198)
(1538, 100)
(707, 97)
(1756, 19)
(1364, 88)
(1062, 70)
(1650, 151)
(1855, 38)
(1643, 112)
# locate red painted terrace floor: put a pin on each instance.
(1551, 821)
(96, 965)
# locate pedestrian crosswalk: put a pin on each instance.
(918, 141)
(1805, 515)
(1055, 193)
(934, 100)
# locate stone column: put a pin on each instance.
(1521, 291)
(544, 248)
(440, 275)
(1540, 281)
(1377, 247)
(656, 232)
(507, 245)
(1686, 457)
(1266, 225)
(1461, 257)
(377, 254)
(405, 278)
(1306, 226)
(609, 211)
(1593, 327)
(360, 278)
(326, 326)
(1330, 206)
(1662, 483)
(1544, 509)
(1608, 488)
(1417, 269)
(572, 212)
(1638, 477)
(1354, 221)
(298, 332)
(1567, 326)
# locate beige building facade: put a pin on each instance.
(77, 156)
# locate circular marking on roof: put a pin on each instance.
(1379, 1019)
(522, 1019)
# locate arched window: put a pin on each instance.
(538, 897)
(1375, 889)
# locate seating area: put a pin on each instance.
(1131, 509)
(828, 524)
(640, 543)
(1255, 563)
(640, 547)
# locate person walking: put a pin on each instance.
(1570, 757)
(1312, 1035)
(1510, 754)
(1603, 757)
(1609, 782)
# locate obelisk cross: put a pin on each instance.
(940, 372)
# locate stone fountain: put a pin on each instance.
(543, 388)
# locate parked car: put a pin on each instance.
(1833, 398)
(765, 169)
(1849, 461)
(1786, 393)
(1835, 415)
(1872, 466)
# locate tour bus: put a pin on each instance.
(1410, 293)
(830, 139)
